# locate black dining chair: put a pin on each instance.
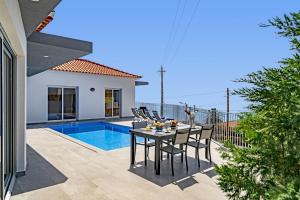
(205, 133)
(147, 143)
(181, 138)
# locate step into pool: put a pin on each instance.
(103, 135)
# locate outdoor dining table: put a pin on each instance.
(158, 137)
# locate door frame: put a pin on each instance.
(62, 104)
(113, 89)
(5, 47)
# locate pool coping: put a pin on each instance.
(108, 120)
(83, 144)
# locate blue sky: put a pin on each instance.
(223, 42)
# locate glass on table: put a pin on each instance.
(167, 130)
(167, 124)
(148, 127)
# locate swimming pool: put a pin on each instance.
(103, 135)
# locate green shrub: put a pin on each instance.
(270, 168)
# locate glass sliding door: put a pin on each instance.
(62, 103)
(69, 103)
(54, 103)
(6, 117)
(1, 119)
(108, 103)
(116, 103)
(8, 120)
(112, 103)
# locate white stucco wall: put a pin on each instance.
(12, 25)
(90, 104)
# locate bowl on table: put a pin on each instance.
(174, 124)
(159, 126)
(148, 128)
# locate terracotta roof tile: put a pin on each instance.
(89, 67)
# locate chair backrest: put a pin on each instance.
(155, 113)
(206, 132)
(182, 136)
(195, 134)
(135, 113)
(137, 125)
(141, 113)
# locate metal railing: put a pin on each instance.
(225, 123)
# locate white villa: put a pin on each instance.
(80, 90)
(40, 162)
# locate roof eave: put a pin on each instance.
(46, 50)
(129, 77)
(33, 13)
(141, 83)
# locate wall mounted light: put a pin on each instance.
(92, 89)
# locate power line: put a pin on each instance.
(192, 95)
(171, 31)
(185, 32)
(177, 27)
(212, 104)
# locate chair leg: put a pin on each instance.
(145, 152)
(198, 158)
(181, 147)
(172, 164)
(134, 148)
(161, 153)
(148, 153)
(186, 162)
(209, 154)
(154, 160)
(168, 155)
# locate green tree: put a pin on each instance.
(270, 167)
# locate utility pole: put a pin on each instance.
(228, 108)
(161, 71)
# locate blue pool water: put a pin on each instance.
(103, 135)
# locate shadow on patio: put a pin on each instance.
(40, 174)
(183, 179)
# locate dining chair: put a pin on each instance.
(147, 143)
(181, 138)
(205, 133)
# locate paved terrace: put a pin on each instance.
(62, 169)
